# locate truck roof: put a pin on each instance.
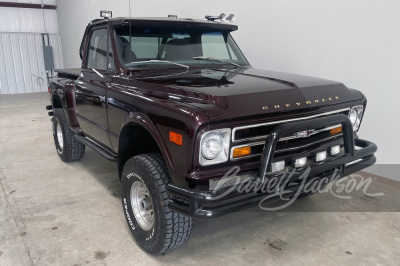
(165, 21)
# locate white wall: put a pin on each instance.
(353, 41)
(21, 56)
(28, 19)
(22, 64)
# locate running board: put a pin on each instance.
(96, 147)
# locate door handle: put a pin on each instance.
(80, 84)
(109, 85)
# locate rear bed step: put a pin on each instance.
(97, 148)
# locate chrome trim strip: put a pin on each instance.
(280, 122)
(354, 162)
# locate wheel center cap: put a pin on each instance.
(145, 204)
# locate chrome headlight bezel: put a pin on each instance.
(223, 155)
(358, 111)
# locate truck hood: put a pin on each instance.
(234, 93)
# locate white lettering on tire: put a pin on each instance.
(127, 215)
(151, 235)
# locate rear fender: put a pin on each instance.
(70, 105)
(63, 96)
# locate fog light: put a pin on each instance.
(320, 156)
(300, 162)
(277, 166)
(334, 150)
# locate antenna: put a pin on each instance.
(130, 36)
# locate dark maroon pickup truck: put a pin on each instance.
(177, 106)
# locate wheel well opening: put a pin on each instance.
(56, 101)
(134, 140)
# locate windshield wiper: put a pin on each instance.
(214, 59)
(161, 61)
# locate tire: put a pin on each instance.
(147, 175)
(68, 148)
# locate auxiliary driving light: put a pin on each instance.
(300, 162)
(277, 166)
(320, 156)
(334, 150)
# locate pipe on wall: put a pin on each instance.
(27, 5)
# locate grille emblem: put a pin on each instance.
(303, 134)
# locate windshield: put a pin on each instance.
(164, 46)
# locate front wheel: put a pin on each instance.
(155, 227)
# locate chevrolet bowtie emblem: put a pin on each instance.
(303, 134)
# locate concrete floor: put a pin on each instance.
(53, 213)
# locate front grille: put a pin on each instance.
(261, 131)
(290, 142)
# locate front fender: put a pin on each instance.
(144, 121)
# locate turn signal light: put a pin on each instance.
(239, 152)
(175, 138)
(336, 130)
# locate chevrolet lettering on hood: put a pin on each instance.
(287, 105)
(177, 106)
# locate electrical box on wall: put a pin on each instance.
(48, 58)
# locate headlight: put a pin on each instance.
(214, 146)
(211, 146)
(355, 116)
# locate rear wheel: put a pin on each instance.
(68, 148)
(155, 227)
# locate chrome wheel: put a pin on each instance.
(142, 205)
(60, 137)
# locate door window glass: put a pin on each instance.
(98, 56)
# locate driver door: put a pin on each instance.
(91, 87)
